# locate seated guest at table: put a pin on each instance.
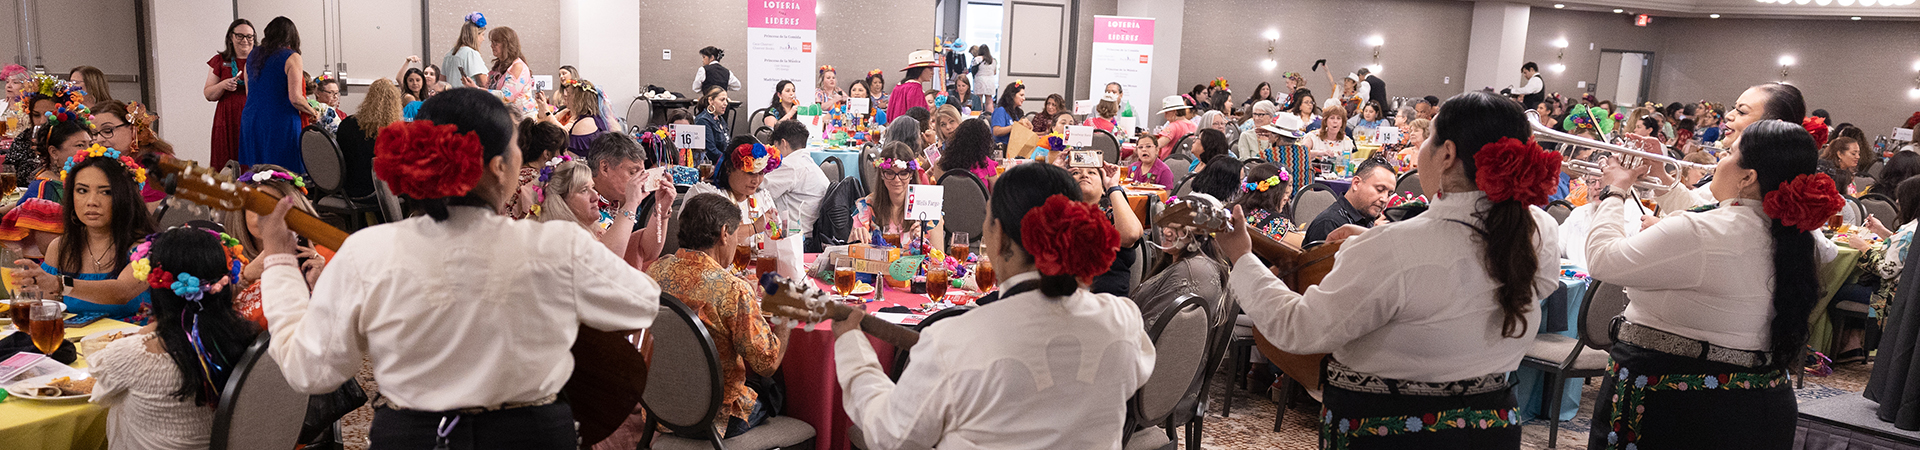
(359, 132)
(618, 164)
(583, 99)
(1285, 150)
(783, 106)
(710, 228)
(885, 209)
(1007, 113)
(1693, 177)
(946, 119)
(1369, 122)
(1441, 309)
(1767, 101)
(1216, 120)
(798, 184)
(35, 219)
(430, 272)
(1220, 179)
(1100, 186)
(712, 105)
(1883, 262)
(160, 384)
(244, 227)
(1252, 142)
(1105, 114)
(540, 142)
(1192, 265)
(567, 194)
(1840, 159)
(858, 89)
(1147, 166)
(1304, 109)
(1412, 138)
(1177, 112)
(1212, 143)
(971, 382)
(1330, 141)
(1049, 115)
(740, 175)
(104, 218)
(962, 94)
(1358, 209)
(1667, 389)
(826, 89)
(972, 149)
(1264, 197)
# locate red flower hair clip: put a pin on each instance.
(1804, 202)
(1817, 127)
(1509, 169)
(422, 160)
(1067, 237)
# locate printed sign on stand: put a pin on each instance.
(859, 106)
(689, 136)
(925, 201)
(780, 41)
(1079, 136)
(1903, 134)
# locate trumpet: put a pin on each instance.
(1543, 133)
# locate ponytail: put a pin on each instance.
(1797, 199)
(1487, 133)
(1511, 261)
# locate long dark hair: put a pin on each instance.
(883, 208)
(1256, 97)
(280, 33)
(1021, 189)
(1901, 166)
(53, 136)
(1221, 177)
(1778, 151)
(777, 87)
(470, 110)
(972, 143)
(404, 90)
(726, 165)
(1212, 143)
(129, 221)
(1007, 102)
(1784, 102)
(230, 54)
(1473, 120)
(1273, 199)
(1910, 207)
(223, 333)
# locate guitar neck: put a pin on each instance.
(899, 336)
(307, 225)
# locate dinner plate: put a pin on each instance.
(18, 390)
(862, 289)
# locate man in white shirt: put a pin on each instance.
(1531, 93)
(798, 184)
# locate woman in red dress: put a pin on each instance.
(227, 85)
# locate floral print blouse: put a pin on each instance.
(731, 310)
(516, 87)
(1271, 223)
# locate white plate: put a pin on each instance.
(862, 289)
(17, 390)
(129, 330)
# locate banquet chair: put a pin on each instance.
(1179, 164)
(835, 221)
(1853, 214)
(1316, 198)
(1107, 144)
(389, 203)
(1192, 412)
(259, 409)
(1180, 338)
(1560, 357)
(865, 165)
(685, 393)
(965, 204)
(1874, 168)
(1559, 209)
(325, 166)
(640, 111)
(1184, 145)
(755, 121)
(833, 168)
(1862, 182)
(1878, 205)
(1410, 182)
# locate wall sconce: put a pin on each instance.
(1785, 62)
(1375, 69)
(1558, 68)
(1273, 39)
(1376, 41)
(1560, 44)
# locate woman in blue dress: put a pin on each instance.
(104, 220)
(270, 124)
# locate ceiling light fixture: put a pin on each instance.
(1866, 2)
(1559, 6)
(1713, 16)
(1802, 2)
(1618, 11)
(1846, 2)
(1823, 2)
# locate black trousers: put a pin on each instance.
(1695, 419)
(535, 427)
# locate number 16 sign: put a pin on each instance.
(689, 136)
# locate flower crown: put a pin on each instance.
(754, 158)
(824, 68)
(185, 284)
(265, 175)
(71, 112)
(1219, 83)
(890, 164)
(423, 160)
(546, 173)
(140, 117)
(875, 72)
(1269, 183)
(321, 77)
(139, 172)
(583, 85)
(477, 19)
(1019, 84)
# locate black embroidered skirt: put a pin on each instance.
(1652, 400)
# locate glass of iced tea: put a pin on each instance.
(742, 257)
(892, 237)
(936, 282)
(706, 171)
(766, 262)
(49, 327)
(8, 182)
(1833, 223)
(843, 276)
(960, 246)
(1652, 207)
(983, 275)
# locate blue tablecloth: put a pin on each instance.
(849, 159)
(1339, 186)
(1529, 382)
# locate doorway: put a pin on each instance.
(1626, 77)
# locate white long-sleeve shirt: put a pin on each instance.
(1705, 276)
(1409, 300)
(1026, 372)
(478, 310)
(1533, 86)
(1679, 199)
(797, 187)
(700, 77)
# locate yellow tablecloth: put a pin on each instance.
(28, 424)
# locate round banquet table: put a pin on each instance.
(808, 371)
(29, 424)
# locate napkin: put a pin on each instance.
(20, 342)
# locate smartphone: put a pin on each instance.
(302, 241)
(81, 320)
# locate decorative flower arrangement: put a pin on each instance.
(422, 160)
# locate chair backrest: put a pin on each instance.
(755, 121)
(965, 203)
(1318, 197)
(1878, 205)
(1179, 165)
(1560, 209)
(1854, 214)
(322, 156)
(1875, 168)
(174, 211)
(836, 212)
(1184, 145)
(1179, 343)
(389, 203)
(865, 165)
(685, 394)
(1603, 302)
(1409, 182)
(1862, 182)
(764, 135)
(640, 111)
(834, 169)
(258, 409)
(1108, 145)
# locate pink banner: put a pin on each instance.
(1123, 31)
(783, 14)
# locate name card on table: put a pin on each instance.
(924, 201)
(860, 106)
(1388, 135)
(689, 136)
(1079, 135)
(1903, 134)
(1084, 107)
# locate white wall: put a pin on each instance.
(185, 33)
(1167, 17)
(1497, 43)
(599, 38)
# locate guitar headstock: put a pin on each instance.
(189, 181)
(1199, 212)
(794, 299)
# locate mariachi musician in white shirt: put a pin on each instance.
(1720, 300)
(1048, 366)
(467, 315)
(1425, 317)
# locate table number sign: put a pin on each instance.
(689, 136)
(859, 106)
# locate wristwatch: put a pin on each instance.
(1121, 190)
(1608, 191)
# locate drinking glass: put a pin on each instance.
(960, 247)
(49, 327)
(843, 275)
(983, 275)
(766, 261)
(936, 282)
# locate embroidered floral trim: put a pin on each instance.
(1274, 226)
(1336, 434)
(1630, 394)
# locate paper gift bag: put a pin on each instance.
(1021, 141)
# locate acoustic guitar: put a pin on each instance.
(609, 373)
(800, 300)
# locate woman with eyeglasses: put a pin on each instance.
(227, 86)
(885, 210)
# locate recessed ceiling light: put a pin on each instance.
(1713, 16)
(1802, 2)
(1856, 17)
(1617, 11)
(1559, 6)
(1846, 2)
(1823, 2)
(1866, 2)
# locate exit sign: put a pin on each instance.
(1642, 20)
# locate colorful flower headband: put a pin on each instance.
(321, 77)
(193, 289)
(1019, 84)
(139, 172)
(583, 85)
(477, 19)
(71, 112)
(265, 175)
(1220, 82)
(824, 68)
(875, 72)
(755, 158)
(546, 173)
(1269, 183)
(890, 164)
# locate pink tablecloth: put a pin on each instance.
(813, 388)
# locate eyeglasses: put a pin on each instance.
(244, 37)
(106, 131)
(897, 174)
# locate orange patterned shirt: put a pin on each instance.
(730, 309)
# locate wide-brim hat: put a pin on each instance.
(1286, 125)
(921, 58)
(1173, 103)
